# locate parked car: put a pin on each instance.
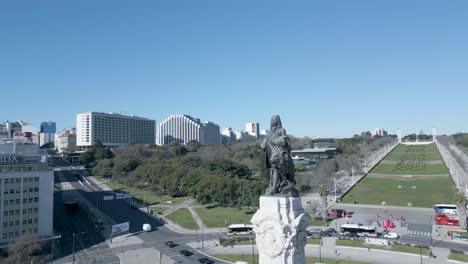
(325, 234)
(330, 230)
(170, 244)
(337, 213)
(186, 252)
(205, 261)
(391, 235)
(314, 233)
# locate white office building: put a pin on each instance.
(113, 129)
(184, 128)
(253, 129)
(240, 134)
(27, 191)
(378, 132)
(228, 135)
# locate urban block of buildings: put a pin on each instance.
(113, 129)
(19, 130)
(26, 191)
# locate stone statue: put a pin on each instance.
(279, 161)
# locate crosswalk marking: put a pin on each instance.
(419, 233)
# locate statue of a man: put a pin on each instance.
(278, 160)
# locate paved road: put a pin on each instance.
(119, 211)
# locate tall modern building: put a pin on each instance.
(253, 129)
(48, 127)
(46, 132)
(212, 133)
(184, 128)
(27, 191)
(113, 129)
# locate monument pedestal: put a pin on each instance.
(280, 227)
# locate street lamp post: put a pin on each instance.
(253, 252)
(320, 248)
(73, 248)
(73, 245)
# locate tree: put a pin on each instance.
(87, 157)
(23, 249)
(192, 146)
(104, 168)
(324, 194)
(461, 202)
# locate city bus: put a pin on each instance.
(358, 229)
(445, 208)
(240, 229)
(458, 233)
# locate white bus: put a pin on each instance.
(358, 229)
(240, 229)
(445, 208)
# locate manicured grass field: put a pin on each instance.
(399, 248)
(421, 153)
(427, 192)
(223, 216)
(309, 260)
(182, 217)
(423, 169)
(150, 197)
(425, 157)
(459, 257)
(159, 209)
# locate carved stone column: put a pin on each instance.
(280, 227)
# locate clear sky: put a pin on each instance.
(329, 68)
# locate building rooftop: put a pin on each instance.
(18, 147)
(313, 150)
(119, 115)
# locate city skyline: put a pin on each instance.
(340, 70)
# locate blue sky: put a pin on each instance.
(329, 68)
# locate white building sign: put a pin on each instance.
(120, 228)
(376, 241)
(8, 160)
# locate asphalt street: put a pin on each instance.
(118, 211)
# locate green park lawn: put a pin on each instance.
(424, 157)
(223, 216)
(399, 248)
(425, 169)
(150, 197)
(459, 257)
(183, 217)
(159, 209)
(309, 260)
(416, 153)
(427, 192)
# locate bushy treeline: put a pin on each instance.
(229, 174)
(461, 139)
